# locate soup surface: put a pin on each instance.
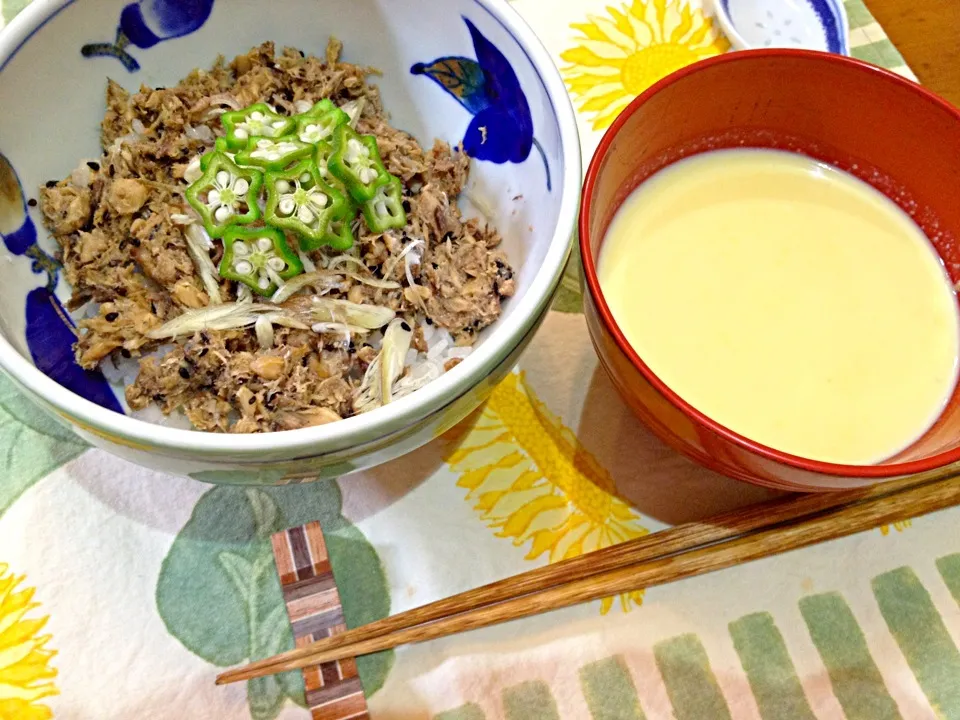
(786, 300)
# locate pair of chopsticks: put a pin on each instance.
(682, 552)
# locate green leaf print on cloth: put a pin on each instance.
(32, 444)
(218, 591)
(11, 7)
(569, 297)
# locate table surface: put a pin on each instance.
(925, 32)
(175, 580)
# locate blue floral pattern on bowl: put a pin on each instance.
(502, 127)
(145, 23)
(50, 333)
(812, 24)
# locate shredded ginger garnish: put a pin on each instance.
(412, 245)
(198, 246)
(411, 259)
(320, 280)
(334, 264)
(373, 282)
(337, 260)
(308, 264)
(377, 386)
(228, 316)
(264, 330)
(335, 328)
(368, 317)
(354, 109)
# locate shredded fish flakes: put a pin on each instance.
(355, 331)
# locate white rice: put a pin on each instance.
(153, 414)
(440, 350)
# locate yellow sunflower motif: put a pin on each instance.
(531, 479)
(620, 56)
(25, 672)
(898, 526)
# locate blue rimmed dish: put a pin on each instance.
(805, 24)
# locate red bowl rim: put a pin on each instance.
(590, 272)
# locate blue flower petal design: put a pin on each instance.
(502, 85)
(49, 330)
(16, 229)
(50, 340)
(493, 123)
(461, 77)
(488, 88)
(145, 23)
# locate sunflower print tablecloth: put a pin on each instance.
(122, 592)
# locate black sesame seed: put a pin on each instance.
(32, 202)
(125, 353)
(135, 242)
(435, 266)
(252, 400)
(429, 321)
(111, 316)
(203, 352)
(406, 328)
(153, 308)
(51, 183)
(500, 265)
(93, 165)
(406, 206)
(184, 373)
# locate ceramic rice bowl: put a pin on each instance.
(55, 59)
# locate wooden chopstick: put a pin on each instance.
(681, 552)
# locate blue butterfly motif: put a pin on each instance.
(145, 23)
(502, 127)
(49, 331)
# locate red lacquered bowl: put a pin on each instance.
(884, 129)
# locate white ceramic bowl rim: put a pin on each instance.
(399, 414)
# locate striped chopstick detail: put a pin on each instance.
(313, 604)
